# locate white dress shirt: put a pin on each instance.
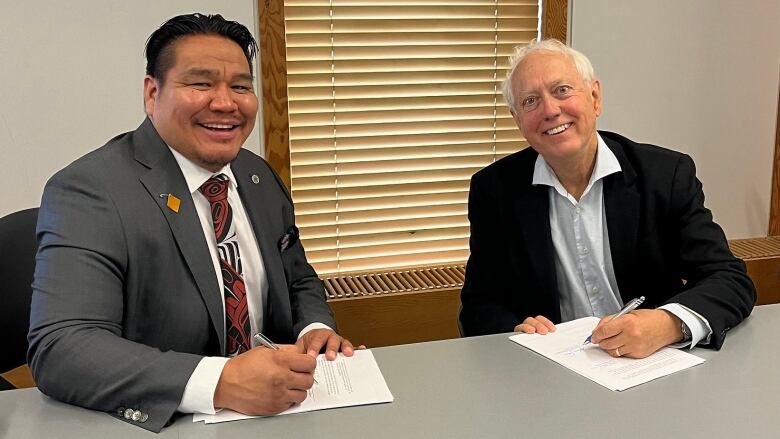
(583, 261)
(199, 393)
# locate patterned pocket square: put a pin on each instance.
(288, 239)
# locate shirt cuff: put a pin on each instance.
(699, 326)
(311, 326)
(199, 393)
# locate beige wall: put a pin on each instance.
(699, 76)
(72, 78)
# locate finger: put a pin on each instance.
(334, 344)
(617, 341)
(300, 381)
(606, 330)
(296, 348)
(526, 328)
(546, 322)
(301, 363)
(617, 352)
(533, 325)
(601, 323)
(361, 347)
(316, 341)
(296, 396)
(610, 343)
(347, 348)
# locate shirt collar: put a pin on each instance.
(195, 176)
(606, 164)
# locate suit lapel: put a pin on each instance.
(165, 178)
(253, 188)
(532, 208)
(621, 203)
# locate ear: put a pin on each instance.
(595, 93)
(151, 91)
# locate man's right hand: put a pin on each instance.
(262, 381)
(536, 325)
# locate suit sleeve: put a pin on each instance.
(484, 308)
(78, 352)
(717, 286)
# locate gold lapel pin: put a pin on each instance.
(173, 202)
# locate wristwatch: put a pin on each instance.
(686, 332)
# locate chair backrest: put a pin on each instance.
(18, 246)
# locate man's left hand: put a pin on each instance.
(638, 333)
(314, 340)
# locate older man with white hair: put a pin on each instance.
(585, 220)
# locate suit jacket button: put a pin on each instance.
(144, 417)
(137, 415)
(128, 414)
(120, 411)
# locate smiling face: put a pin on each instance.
(555, 108)
(206, 107)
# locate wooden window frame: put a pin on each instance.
(273, 68)
(774, 203)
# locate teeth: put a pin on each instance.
(217, 126)
(558, 129)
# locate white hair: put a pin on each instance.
(581, 62)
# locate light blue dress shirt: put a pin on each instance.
(587, 284)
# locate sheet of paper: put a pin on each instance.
(564, 346)
(344, 382)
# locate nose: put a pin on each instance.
(550, 107)
(222, 100)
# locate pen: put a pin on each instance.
(265, 341)
(630, 306)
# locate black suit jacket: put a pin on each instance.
(664, 243)
(125, 298)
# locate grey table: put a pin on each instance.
(489, 387)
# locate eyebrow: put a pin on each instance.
(552, 84)
(208, 73)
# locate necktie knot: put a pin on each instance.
(215, 189)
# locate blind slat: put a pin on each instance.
(393, 106)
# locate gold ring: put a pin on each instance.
(617, 351)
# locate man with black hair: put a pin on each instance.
(163, 252)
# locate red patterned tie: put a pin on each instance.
(215, 189)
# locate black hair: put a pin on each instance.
(159, 46)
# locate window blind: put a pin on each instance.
(393, 105)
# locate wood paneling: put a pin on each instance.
(273, 70)
(555, 19)
(392, 319)
(20, 377)
(774, 205)
(762, 257)
(765, 273)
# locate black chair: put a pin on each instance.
(18, 246)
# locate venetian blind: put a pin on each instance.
(393, 105)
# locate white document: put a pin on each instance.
(344, 382)
(564, 346)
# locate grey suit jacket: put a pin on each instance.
(125, 298)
